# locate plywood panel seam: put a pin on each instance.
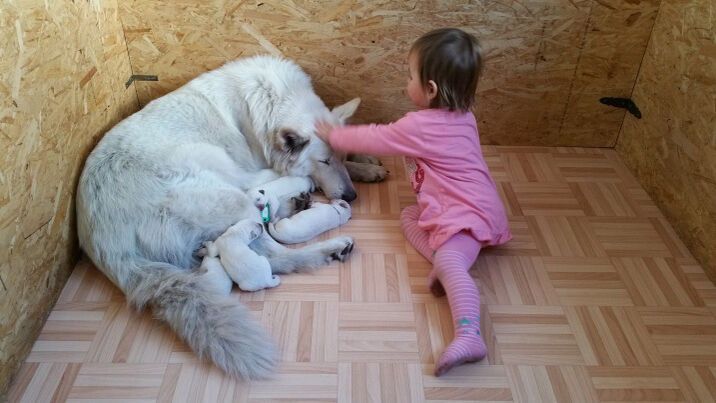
(636, 77)
(582, 43)
(129, 59)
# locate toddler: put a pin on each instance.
(459, 210)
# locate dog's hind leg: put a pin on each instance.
(287, 260)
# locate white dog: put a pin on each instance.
(175, 175)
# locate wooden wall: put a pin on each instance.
(548, 61)
(62, 70)
(63, 65)
(672, 149)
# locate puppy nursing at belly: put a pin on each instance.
(229, 259)
(311, 219)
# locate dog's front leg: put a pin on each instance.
(288, 186)
(292, 192)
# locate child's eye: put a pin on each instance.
(327, 161)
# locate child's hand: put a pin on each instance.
(323, 130)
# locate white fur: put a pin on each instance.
(247, 269)
(175, 175)
(278, 195)
(214, 274)
(307, 224)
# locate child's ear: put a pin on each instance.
(432, 90)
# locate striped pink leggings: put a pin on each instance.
(451, 263)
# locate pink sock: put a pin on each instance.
(451, 265)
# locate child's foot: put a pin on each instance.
(436, 287)
(464, 349)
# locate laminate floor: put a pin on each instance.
(595, 299)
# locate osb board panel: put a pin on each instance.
(62, 73)
(354, 48)
(672, 149)
(617, 34)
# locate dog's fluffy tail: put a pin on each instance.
(215, 327)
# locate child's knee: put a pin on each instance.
(410, 213)
(409, 217)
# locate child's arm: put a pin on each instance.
(399, 138)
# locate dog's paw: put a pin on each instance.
(365, 159)
(340, 248)
(369, 173)
(301, 202)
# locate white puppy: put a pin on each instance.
(307, 224)
(249, 270)
(213, 272)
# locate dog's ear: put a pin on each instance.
(288, 140)
(345, 111)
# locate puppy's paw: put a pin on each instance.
(258, 198)
(274, 282)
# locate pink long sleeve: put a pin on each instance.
(447, 171)
(398, 138)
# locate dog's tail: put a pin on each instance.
(215, 327)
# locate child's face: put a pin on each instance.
(415, 89)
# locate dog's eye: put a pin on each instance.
(327, 161)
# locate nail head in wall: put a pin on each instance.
(140, 77)
(624, 103)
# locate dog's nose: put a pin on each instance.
(349, 196)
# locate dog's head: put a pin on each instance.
(298, 152)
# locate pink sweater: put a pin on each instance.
(444, 161)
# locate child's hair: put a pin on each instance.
(452, 58)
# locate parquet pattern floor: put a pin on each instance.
(595, 300)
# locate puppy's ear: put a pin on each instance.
(289, 141)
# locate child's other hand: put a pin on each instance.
(323, 130)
